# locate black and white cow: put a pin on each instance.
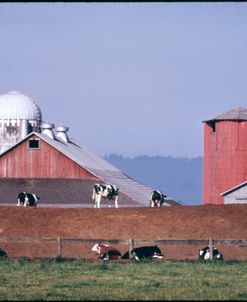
(108, 191)
(3, 254)
(157, 198)
(204, 254)
(27, 199)
(144, 252)
(106, 252)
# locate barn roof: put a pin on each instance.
(234, 189)
(99, 167)
(239, 114)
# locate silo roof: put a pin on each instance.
(16, 105)
(239, 114)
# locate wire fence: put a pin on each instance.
(80, 248)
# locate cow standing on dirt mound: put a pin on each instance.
(27, 199)
(204, 254)
(106, 252)
(144, 252)
(156, 199)
(108, 191)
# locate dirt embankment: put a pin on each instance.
(177, 222)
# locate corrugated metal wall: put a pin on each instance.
(236, 196)
(225, 158)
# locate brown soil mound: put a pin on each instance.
(177, 222)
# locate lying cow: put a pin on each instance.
(156, 199)
(27, 199)
(108, 191)
(106, 252)
(204, 254)
(3, 254)
(144, 252)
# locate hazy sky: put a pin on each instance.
(128, 78)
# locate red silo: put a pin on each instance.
(225, 154)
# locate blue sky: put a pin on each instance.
(128, 78)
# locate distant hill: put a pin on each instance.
(179, 178)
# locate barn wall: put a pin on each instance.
(225, 158)
(45, 162)
(55, 191)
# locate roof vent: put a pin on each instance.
(46, 128)
(62, 133)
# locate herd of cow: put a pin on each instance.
(106, 252)
(107, 191)
(110, 192)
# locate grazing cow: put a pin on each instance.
(27, 199)
(156, 199)
(144, 252)
(3, 254)
(204, 254)
(106, 252)
(106, 191)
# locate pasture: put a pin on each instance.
(72, 280)
(34, 271)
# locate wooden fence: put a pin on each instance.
(131, 243)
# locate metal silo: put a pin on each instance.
(19, 115)
(225, 154)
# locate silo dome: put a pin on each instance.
(15, 105)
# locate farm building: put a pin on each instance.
(19, 115)
(37, 157)
(225, 155)
(237, 194)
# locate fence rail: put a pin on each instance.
(242, 242)
(59, 241)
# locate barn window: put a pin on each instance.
(33, 143)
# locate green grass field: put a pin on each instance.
(158, 280)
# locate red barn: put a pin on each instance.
(225, 154)
(61, 171)
(34, 158)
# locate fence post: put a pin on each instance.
(210, 248)
(131, 246)
(59, 247)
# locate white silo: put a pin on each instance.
(19, 115)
